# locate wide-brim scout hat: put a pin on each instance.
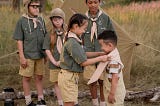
(57, 12)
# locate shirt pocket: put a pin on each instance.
(29, 33)
(30, 42)
(101, 28)
(88, 45)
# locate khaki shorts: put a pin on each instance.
(68, 84)
(120, 92)
(88, 72)
(54, 75)
(35, 67)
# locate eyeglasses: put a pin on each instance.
(36, 6)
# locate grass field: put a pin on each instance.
(141, 21)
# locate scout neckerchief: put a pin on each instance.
(73, 35)
(94, 25)
(59, 42)
(102, 65)
(35, 20)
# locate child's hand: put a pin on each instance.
(23, 62)
(104, 58)
(111, 98)
(57, 63)
(109, 58)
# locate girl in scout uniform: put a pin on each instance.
(114, 89)
(29, 33)
(73, 58)
(53, 46)
(98, 22)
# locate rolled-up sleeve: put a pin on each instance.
(18, 33)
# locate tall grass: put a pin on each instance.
(7, 24)
(141, 21)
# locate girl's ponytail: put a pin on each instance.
(66, 36)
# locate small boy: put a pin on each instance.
(114, 89)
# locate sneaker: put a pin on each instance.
(41, 103)
(31, 104)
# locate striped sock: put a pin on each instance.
(28, 99)
(60, 102)
(95, 102)
(102, 103)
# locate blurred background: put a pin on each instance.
(140, 19)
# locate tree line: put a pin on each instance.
(16, 3)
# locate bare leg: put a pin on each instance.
(102, 98)
(93, 90)
(58, 93)
(39, 84)
(101, 90)
(26, 85)
(26, 88)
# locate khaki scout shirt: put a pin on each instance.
(103, 23)
(72, 56)
(55, 53)
(32, 41)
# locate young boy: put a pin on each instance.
(29, 33)
(114, 89)
(97, 23)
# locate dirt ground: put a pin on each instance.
(15, 82)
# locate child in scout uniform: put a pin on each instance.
(73, 58)
(53, 46)
(97, 23)
(114, 89)
(29, 33)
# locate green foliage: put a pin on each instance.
(48, 6)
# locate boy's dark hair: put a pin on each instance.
(108, 37)
(87, 0)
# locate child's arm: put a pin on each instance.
(95, 54)
(103, 58)
(111, 97)
(51, 58)
(23, 60)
